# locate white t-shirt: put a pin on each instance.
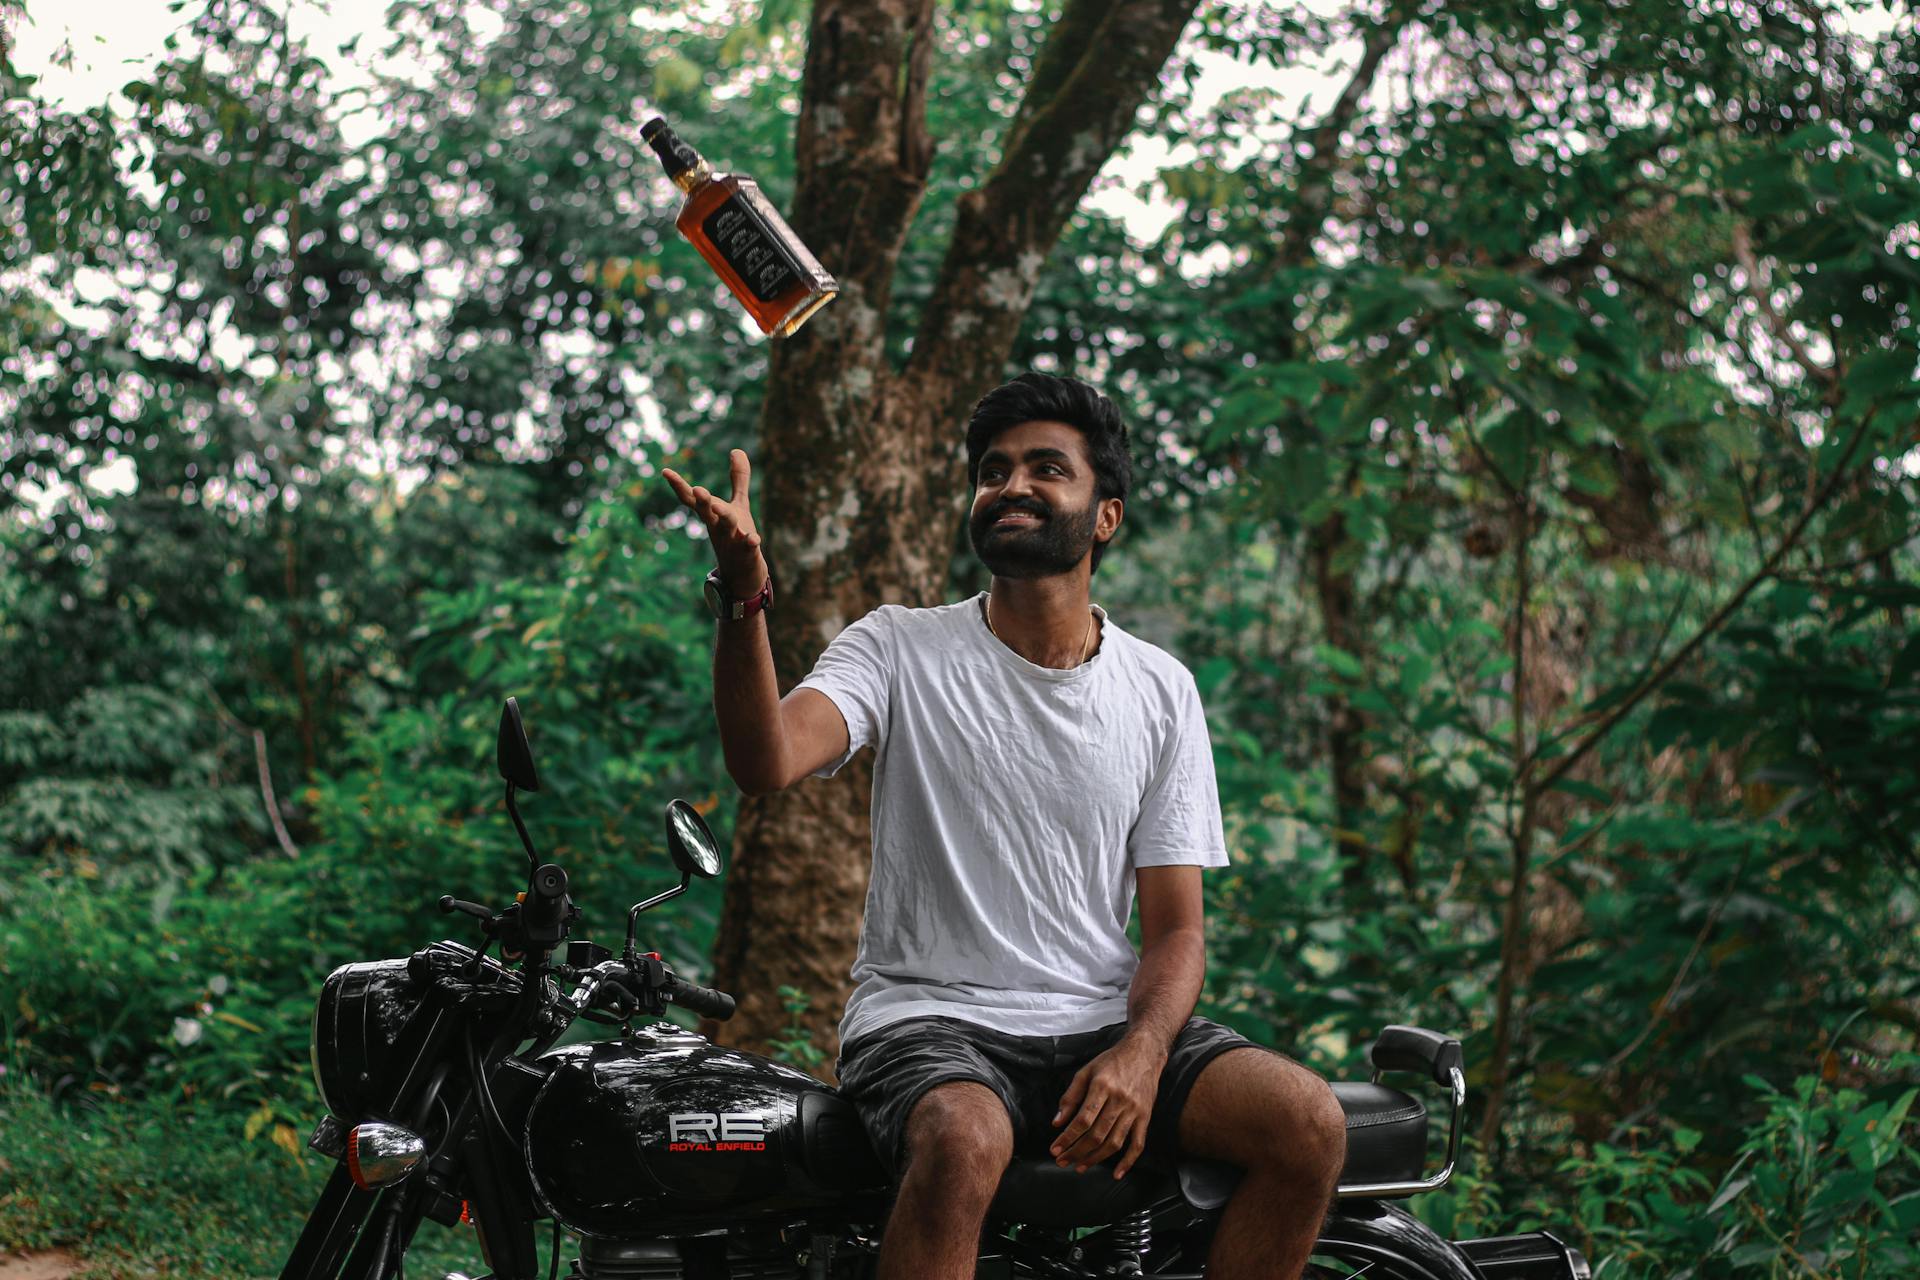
(1011, 804)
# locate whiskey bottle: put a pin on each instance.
(743, 238)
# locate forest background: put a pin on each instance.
(1526, 431)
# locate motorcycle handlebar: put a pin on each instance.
(546, 902)
(704, 1001)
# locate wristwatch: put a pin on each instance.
(726, 608)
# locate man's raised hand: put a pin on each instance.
(736, 543)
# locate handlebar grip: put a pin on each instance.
(704, 1001)
(546, 900)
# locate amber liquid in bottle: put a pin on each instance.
(743, 238)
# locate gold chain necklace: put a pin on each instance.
(1086, 641)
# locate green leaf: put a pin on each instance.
(1594, 473)
(1414, 675)
(1879, 374)
(1753, 1253)
(1669, 725)
(1585, 790)
(1340, 662)
(1507, 441)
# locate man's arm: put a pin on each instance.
(1173, 954)
(1108, 1105)
(769, 742)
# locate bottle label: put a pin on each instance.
(746, 231)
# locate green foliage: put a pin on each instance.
(795, 1044)
(153, 1187)
(1629, 1196)
(1629, 289)
(133, 780)
(204, 979)
(1826, 1183)
(143, 1189)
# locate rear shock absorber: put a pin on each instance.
(1132, 1237)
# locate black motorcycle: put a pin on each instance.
(669, 1156)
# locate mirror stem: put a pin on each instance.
(533, 859)
(633, 914)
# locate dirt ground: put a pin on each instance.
(55, 1264)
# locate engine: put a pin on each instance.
(742, 1256)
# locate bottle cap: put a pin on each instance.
(675, 154)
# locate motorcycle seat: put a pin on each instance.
(1386, 1142)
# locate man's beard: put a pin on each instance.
(1054, 545)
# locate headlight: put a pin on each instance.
(360, 1014)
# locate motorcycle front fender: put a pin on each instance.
(1393, 1243)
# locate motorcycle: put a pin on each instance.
(450, 1099)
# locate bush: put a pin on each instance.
(153, 1187)
(192, 971)
(1826, 1184)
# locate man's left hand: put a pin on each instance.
(1109, 1102)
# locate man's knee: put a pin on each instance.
(1323, 1129)
(1263, 1111)
(960, 1135)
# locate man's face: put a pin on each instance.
(1034, 512)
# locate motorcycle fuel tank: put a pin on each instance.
(664, 1129)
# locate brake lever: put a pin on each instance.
(450, 904)
(604, 991)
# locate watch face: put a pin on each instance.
(715, 600)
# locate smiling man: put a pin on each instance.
(1037, 771)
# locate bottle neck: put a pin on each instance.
(683, 164)
(688, 179)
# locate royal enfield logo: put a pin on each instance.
(716, 1131)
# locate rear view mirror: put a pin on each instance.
(695, 852)
(514, 753)
(694, 849)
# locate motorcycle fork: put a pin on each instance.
(341, 1212)
(398, 1210)
(501, 1218)
(330, 1229)
(395, 1219)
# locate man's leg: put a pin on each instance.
(1281, 1123)
(958, 1142)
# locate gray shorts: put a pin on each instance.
(885, 1071)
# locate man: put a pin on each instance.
(1037, 768)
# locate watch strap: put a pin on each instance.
(727, 608)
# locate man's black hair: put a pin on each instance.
(1045, 397)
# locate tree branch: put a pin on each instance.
(1316, 186)
(1665, 1002)
(1653, 658)
(1068, 40)
(1665, 670)
(1516, 920)
(287, 846)
(1067, 125)
(1757, 290)
(1819, 573)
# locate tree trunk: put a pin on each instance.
(1515, 918)
(297, 642)
(860, 475)
(1334, 588)
(1346, 725)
